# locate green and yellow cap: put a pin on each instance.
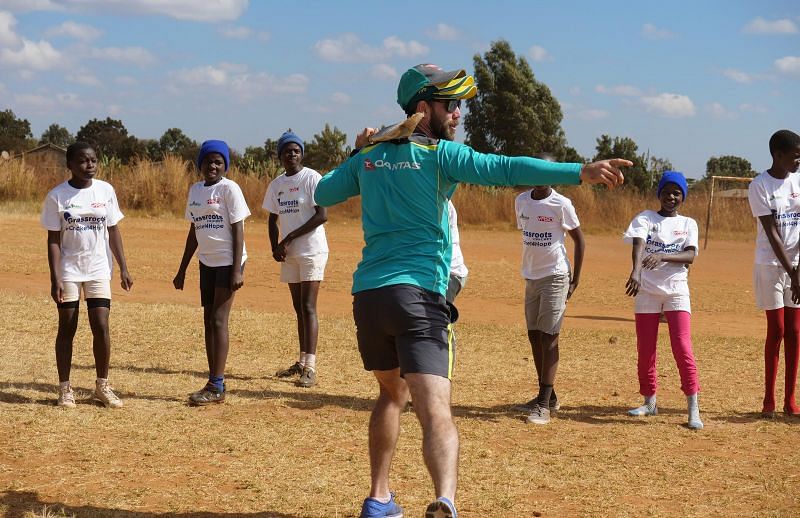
(424, 82)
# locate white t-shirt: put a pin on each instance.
(457, 266)
(664, 235)
(781, 198)
(212, 210)
(544, 224)
(83, 217)
(292, 199)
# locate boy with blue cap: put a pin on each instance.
(399, 307)
(664, 245)
(216, 209)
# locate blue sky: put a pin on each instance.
(685, 79)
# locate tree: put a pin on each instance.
(58, 135)
(646, 169)
(110, 139)
(729, 165)
(175, 142)
(327, 150)
(14, 132)
(513, 113)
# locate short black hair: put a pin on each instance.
(783, 141)
(76, 148)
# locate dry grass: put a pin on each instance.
(159, 188)
(275, 450)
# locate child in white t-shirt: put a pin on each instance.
(545, 217)
(217, 209)
(81, 217)
(298, 242)
(664, 244)
(775, 200)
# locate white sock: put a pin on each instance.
(650, 400)
(101, 381)
(311, 361)
(302, 360)
(64, 385)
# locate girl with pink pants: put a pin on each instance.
(664, 245)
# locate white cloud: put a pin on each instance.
(761, 26)
(539, 54)
(78, 31)
(621, 90)
(237, 80)
(753, 108)
(591, 114)
(652, 32)
(737, 75)
(443, 32)
(669, 105)
(32, 56)
(35, 101)
(83, 78)
(8, 37)
(384, 71)
(340, 98)
(788, 65)
(575, 90)
(125, 80)
(133, 55)
(718, 111)
(236, 32)
(192, 10)
(349, 48)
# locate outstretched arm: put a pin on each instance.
(635, 279)
(115, 241)
(188, 252)
(54, 262)
(580, 246)
(237, 277)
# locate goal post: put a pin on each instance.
(728, 193)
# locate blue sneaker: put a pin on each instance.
(441, 508)
(374, 508)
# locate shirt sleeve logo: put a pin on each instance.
(544, 219)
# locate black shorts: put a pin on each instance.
(404, 326)
(211, 278)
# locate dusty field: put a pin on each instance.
(277, 450)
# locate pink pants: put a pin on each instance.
(680, 338)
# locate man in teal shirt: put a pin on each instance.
(402, 319)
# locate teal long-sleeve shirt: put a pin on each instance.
(404, 187)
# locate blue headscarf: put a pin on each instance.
(214, 146)
(673, 177)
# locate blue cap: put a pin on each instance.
(673, 177)
(214, 146)
(287, 138)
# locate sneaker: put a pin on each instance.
(644, 410)
(527, 407)
(106, 396)
(441, 508)
(308, 378)
(694, 421)
(294, 370)
(206, 396)
(373, 508)
(66, 398)
(539, 415)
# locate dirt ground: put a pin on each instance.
(277, 450)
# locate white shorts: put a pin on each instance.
(304, 268)
(652, 303)
(545, 303)
(91, 290)
(772, 287)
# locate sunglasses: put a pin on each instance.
(451, 105)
